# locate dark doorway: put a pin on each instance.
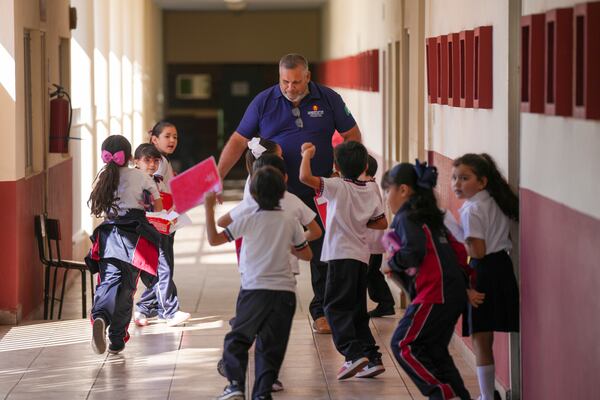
(206, 117)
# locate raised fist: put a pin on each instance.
(308, 149)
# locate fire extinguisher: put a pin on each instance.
(61, 115)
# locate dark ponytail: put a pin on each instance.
(267, 187)
(102, 199)
(269, 145)
(483, 165)
(423, 207)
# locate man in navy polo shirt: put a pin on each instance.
(291, 113)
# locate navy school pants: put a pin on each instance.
(346, 309)
(420, 344)
(160, 296)
(377, 287)
(113, 300)
(264, 315)
(318, 269)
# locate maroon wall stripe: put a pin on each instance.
(360, 71)
(560, 310)
(21, 286)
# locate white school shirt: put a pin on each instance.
(166, 171)
(374, 235)
(247, 194)
(268, 236)
(453, 226)
(132, 183)
(481, 218)
(350, 207)
(290, 203)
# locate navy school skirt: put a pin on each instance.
(499, 312)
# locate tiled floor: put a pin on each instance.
(53, 360)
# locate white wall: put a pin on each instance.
(8, 165)
(117, 84)
(454, 131)
(16, 17)
(350, 27)
(559, 155)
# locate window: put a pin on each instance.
(28, 98)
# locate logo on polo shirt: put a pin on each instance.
(315, 112)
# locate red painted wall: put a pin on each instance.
(560, 279)
(21, 286)
(21, 271)
(359, 71)
(8, 270)
(448, 200)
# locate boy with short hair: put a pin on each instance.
(350, 212)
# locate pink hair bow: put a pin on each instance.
(118, 157)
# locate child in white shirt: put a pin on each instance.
(291, 204)
(350, 212)
(267, 300)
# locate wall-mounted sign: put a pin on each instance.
(193, 86)
(240, 89)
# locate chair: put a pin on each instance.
(50, 229)
(40, 235)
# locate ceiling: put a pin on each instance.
(219, 5)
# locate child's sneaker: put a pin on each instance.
(372, 369)
(277, 386)
(381, 311)
(178, 318)
(233, 391)
(221, 368)
(351, 368)
(115, 349)
(140, 319)
(99, 335)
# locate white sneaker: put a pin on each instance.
(178, 318)
(351, 368)
(140, 319)
(99, 335)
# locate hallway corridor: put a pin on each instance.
(53, 360)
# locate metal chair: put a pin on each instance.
(50, 230)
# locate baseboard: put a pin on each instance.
(10, 317)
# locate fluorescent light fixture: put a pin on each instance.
(236, 5)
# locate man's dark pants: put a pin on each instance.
(318, 269)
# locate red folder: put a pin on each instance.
(321, 204)
(167, 200)
(190, 187)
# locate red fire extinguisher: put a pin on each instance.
(61, 115)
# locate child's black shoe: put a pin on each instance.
(382, 311)
(372, 369)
